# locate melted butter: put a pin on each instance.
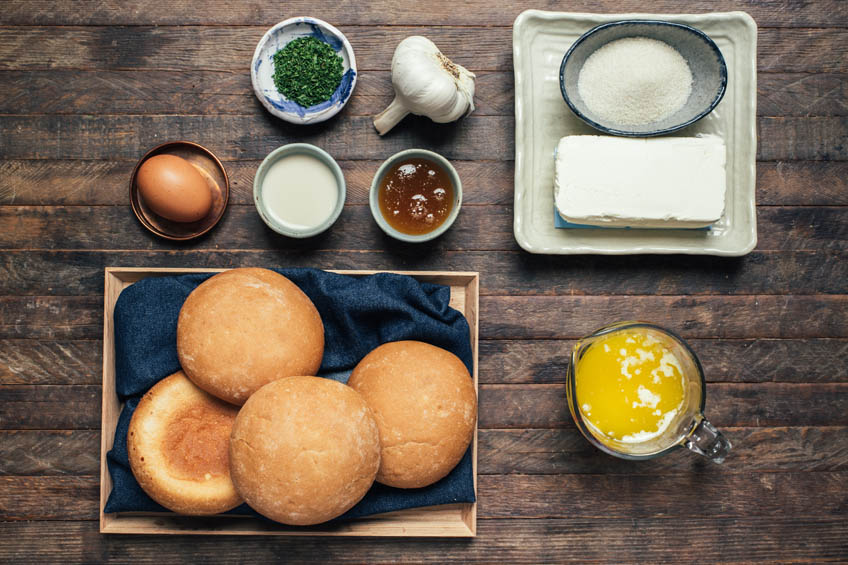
(416, 196)
(629, 387)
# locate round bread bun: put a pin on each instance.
(178, 444)
(244, 328)
(304, 450)
(425, 404)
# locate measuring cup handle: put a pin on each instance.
(706, 440)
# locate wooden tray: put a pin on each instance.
(449, 520)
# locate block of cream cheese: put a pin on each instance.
(666, 182)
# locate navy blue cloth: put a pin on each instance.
(359, 314)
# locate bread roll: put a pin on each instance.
(243, 328)
(304, 450)
(425, 404)
(178, 444)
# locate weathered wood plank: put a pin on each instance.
(772, 13)
(520, 317)
(477, 228)
(728, 405)
(565, 451)
(72, 317)
(35, 362)
(533, 451)
(46, 407)
(799, 495)
(728, 317)
(221, 92)
(802, 183)
(94, 183)
(810, 138)
(479, 48)
(347, 137)
(777, 538)
(802, 94)
(740, 360)
(48, 362)
(54, 273)
(73, 407)
(50, 452)
(642, 496)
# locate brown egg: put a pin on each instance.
(173, 188)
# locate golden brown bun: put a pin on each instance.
(178, 444)
(244, 328)
(304, 450)
(425, 404)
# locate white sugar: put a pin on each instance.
(635, 81)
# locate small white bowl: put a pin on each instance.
(262, 70)
(294, 149)
(374, 195)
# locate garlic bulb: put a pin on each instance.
(426, 84)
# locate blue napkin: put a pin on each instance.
(359, 313)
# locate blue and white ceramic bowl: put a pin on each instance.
(262, 70)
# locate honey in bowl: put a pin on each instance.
(416, 196)
(630, 387)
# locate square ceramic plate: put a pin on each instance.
(540, 39)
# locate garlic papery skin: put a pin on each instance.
(426, 83)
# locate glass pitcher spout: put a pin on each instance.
(706, 440)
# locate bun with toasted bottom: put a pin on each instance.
(178, 444)
(425, 404)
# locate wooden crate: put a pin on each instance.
(450, 520)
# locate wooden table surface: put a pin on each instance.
(87, 87)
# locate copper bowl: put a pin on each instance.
(210, 168)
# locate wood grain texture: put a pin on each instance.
(479, 48)
(565, 451)
(48, 182)
(30, 361)
(728, 317)
(76, 407)
(782, 13)
(79, 362)
(226, 92)
(502, 452)
(354, 137)
(477, 228)
(50, 452)
(530, 496)
(526, 541)
(75, 273)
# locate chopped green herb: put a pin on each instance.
(307, 71)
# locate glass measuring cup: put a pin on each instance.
(688, 427)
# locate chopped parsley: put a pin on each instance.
(307, 71)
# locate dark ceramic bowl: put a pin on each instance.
(709, 73)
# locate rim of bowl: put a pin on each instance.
(294, 149)
(722, 69)
(374, 204)
(136, 208)
(322, 115)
